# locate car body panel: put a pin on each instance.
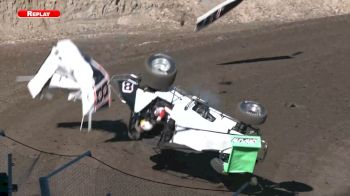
(192, 129)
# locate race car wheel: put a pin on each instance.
(218, 165)
(251, 113)
(160, 72)
(133, 128)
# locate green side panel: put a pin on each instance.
(241, 160)
(243, 155)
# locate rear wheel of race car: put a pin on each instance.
(160, 72)
(133, 132)
(251, 113)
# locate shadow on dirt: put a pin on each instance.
(255, 60)
(118, 127)
(187, 164)
(197, 165)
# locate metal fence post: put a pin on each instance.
(44, 181)
(9, 173)
(252, 182)
(44, 186)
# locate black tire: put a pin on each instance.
(253, 181)
(133, 134)
(155, 77)
(218, 165)
(251, 113)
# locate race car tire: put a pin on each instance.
(133, 134)
(218, 165)
(160, 72)
(251, 113)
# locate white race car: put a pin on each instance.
(188, 120)
(154, 102)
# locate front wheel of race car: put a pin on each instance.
(133, 128)
(160, 72)
(218, 165)
(251, 113)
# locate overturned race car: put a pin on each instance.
(155, 103)
(188, 120)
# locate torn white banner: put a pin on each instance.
(67, 68)
(215, 13)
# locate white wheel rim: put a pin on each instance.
(161, 65)
(253, 107)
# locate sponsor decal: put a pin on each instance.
(245, 140)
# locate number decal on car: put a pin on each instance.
(102, 95)
(127, 87)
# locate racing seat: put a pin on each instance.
(203, 110)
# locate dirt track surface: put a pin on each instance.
(102, 16)
(298, 71)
